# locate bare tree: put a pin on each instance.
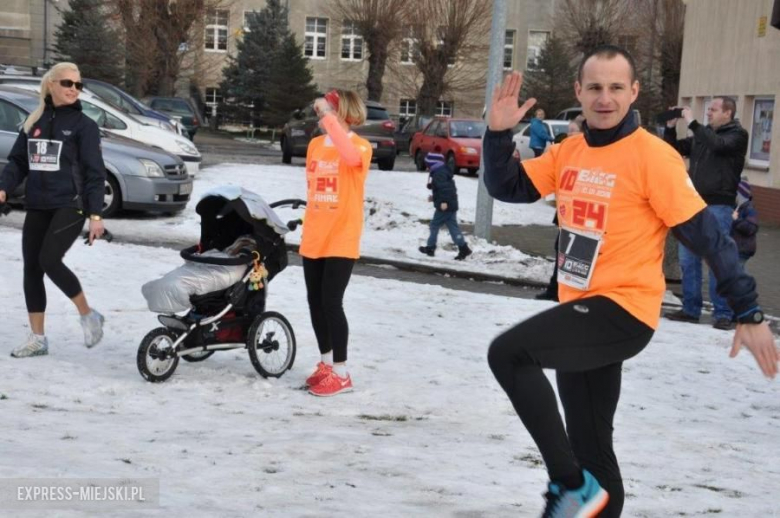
(586, 24)
(660, 24)
(158, 34)
(380, 23)
(447, 41)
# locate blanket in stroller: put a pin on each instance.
(171, 293)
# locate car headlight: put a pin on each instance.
(151, 168)
(185, 146)
(469, 150)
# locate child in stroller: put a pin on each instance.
(243, 238)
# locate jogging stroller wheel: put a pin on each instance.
(197, 356)
(271, 344)
(156, 361)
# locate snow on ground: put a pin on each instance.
(397, 213)
(426, 433)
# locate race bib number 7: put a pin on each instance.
(577, 255)
(44, 155)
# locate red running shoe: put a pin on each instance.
(319, 374)
(331, 385)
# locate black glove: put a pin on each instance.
(108, 236)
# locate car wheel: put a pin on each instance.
(112, 198)
(286, 152)
(451, 163)
(473, 171)
(419, 160)
(386, 164)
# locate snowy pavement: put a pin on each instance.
(427, 431)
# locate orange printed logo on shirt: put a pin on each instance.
(615, 206)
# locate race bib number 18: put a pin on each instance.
(44, 155)
(577, 254)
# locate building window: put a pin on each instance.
(315, 38)
(217, 30)
(213, 99)
(248, 16)
(351, 42)
(408, 49)
(450, 59)
(536, 42)
(509, 50)
(408, 107)
(761, 134)
(445, 108)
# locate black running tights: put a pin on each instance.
(326, 282)
(585, 341)
(46, 237)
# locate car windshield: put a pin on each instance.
(173, 105)
(467, 129)
(377, 114)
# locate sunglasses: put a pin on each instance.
(67, 83)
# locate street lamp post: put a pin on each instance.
(484, 215)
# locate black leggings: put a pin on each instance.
(46, 237)
(585, 341)
(326, 282)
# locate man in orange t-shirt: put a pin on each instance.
(618, 190)
(337, 165)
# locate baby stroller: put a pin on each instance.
(234, 317)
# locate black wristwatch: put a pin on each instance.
(754, 317)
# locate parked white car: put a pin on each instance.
(116, 121)
(523, 137)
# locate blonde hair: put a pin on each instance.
(49, 77)
(352, 109)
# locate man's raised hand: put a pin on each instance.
(504, 112)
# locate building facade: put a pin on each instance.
(27, 32)
(337, 54)
(729, 48)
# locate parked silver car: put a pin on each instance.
(138, 176)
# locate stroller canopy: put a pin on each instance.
(229, 212)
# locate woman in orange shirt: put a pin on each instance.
(337, 164)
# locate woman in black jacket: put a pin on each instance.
(58, 153)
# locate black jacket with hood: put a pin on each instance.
(442, 182)
(80, 180)
(717, 157)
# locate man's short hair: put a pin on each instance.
(728, 104)
(608, 52)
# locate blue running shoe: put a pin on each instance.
(585, 502)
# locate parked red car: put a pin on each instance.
(459, 140)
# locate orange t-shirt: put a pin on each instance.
(615, 206)
(333, 221)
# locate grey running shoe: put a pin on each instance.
(32, 347)
(92, 323)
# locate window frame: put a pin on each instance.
(760, 162)
(510, 47)
(20, 110)
(214, 29)
(443, 106)
(352, 38)
(529, 47)
(316, 35)
(407, 107)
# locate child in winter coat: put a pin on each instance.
(445, 201)
(745, 225)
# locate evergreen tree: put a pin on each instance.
(551, 81)
(290, 84)
(247, 76)
(84, 38)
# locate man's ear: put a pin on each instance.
(634, 91)
(577, 90)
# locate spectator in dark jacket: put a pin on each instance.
(540, 136)
(717, 156)
(445, 202)
(745, 225)
(58, 154)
